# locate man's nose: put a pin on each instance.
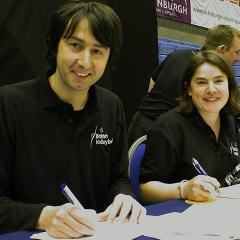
(84, 58)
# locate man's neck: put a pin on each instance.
(77, 99)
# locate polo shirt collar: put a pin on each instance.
(48, 98)
(198, 120)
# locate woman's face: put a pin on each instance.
(209, 89)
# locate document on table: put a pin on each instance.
(230, 192)
(172, 227)
(117, 231)
(217, 220)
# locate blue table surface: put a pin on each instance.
(154, 209)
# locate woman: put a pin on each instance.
(201, 127)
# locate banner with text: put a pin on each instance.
(204, 13)
(174, 9)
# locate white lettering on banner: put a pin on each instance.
(209, 13)
(218, 16)
(171, 7)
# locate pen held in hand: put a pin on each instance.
(201, 171)
(70, 196)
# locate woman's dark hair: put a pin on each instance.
(104, 22)
(186, 105)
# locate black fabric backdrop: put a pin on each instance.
(23, 27)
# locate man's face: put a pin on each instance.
(232, 54)
(81, 60)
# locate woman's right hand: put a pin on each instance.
(199, 188)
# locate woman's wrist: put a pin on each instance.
(180, 187)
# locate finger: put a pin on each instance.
(207, 187)
(142, 214)
(57, 234)
(125, 210)
(211, 180)
(138, 212)
(135, 212)
(83, 221)
(203, 187)
(114, 209)
(63, 229)
(203, 193)
(101, 217)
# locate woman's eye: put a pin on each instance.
(219, 81)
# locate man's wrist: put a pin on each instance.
(42, 218)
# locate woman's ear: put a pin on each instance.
(187, 87)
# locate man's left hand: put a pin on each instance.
(125, 208)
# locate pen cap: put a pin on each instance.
(233, 176)
(63, 185)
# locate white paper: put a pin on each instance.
(117, 231)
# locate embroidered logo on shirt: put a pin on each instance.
(234, 148)
(100, 138)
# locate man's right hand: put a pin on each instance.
(67, 221)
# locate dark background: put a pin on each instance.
(23, 27)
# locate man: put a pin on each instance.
(61, 127)
(164, 83)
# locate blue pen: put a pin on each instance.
(201, 170)
(70, 196)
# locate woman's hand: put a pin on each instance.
(199, 188)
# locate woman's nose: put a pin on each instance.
(211, 88)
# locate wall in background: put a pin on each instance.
(23, 27)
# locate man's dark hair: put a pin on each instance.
(104, 22)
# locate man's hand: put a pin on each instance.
(67, 221)
(124, 207)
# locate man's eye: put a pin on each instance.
(96, 51)
(75, 45)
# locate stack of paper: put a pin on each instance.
(216, 220)
(117, 231)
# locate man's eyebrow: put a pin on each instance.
(82, 41)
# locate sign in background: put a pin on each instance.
(203, 13)
(177, 10)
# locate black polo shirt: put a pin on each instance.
(166, 76)
(175, 139)
(44, 143)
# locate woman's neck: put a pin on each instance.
(214, 121)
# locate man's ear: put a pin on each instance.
(220, 49)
